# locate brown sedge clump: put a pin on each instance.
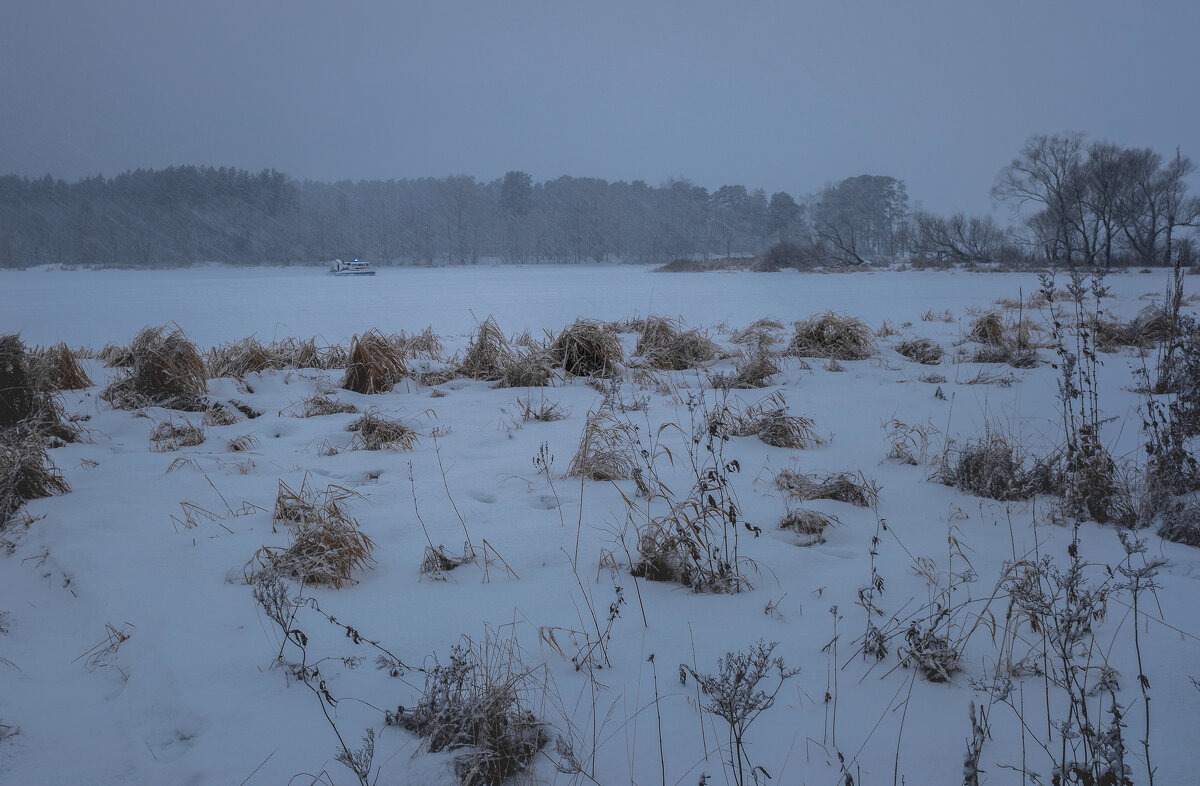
(171, 435)
(854, 489)
(832, 335)
(770, 421)
(587, 348)
(921, 350)
(166, 370)
(666, 345)
(26, 472)
(374, 431)
(375, 364)
(57, 368)
(24, 405)
(327, 545)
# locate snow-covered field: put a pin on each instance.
(134, 652)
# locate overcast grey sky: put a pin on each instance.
(778, 95)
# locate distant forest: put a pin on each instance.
(1095, 203)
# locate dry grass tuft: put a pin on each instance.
(242, 444)
(236, 359)
(308, 504)
(908, 444)
(116, 356)
(294, 353)
(606, 448)
(491, 357)
(327, 551)
(170, 435)
(666, 346)
(687, 546)
(832, 335)
(373, 431)
(327, 546)
(219, 415)
(424, 343)
(479, 700)
(436, 563)
(527, 368)
(26, 472)
(375, 364)
(988, 329)
(1001, 342)
(57, 368)
(587, 348)
(18, 397)
(543, 410)
(921, 350)
(809, 525)
(22, 403)
(995, 467)
(166, 371)
(855, 489)
(752, 371)
(1180, 522)
(770, 422)
(488, 354)
(1152, 325)
(765, 331)
(319, 406)
(887, 329)
(249, 356)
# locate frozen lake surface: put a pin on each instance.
(214, 304)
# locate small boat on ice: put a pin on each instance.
(354, 268)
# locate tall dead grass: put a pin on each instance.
(375, 364)
(488, 353)
(166, 370)
(606, 448)
(493, 358)
(23, 404)
(26, 472)
(57, 368)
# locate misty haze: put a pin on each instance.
(647, 393)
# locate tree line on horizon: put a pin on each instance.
(1074, 202)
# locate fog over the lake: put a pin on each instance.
(779, 96)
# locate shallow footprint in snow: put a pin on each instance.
(171, 745)
(544, 502)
